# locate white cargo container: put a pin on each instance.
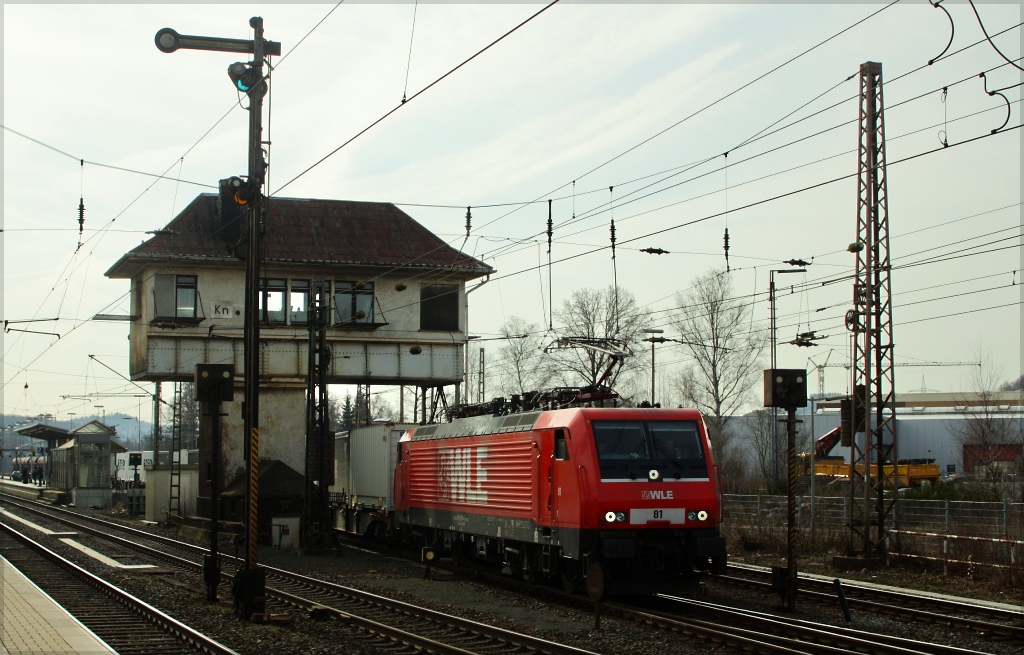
(372, 456)
(341, 484)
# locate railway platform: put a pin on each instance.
(16, 488)
(34, 624)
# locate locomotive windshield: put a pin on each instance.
(630, 450)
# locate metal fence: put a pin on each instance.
(980, 533)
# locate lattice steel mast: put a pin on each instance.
(873, 456)
(316, 516)
(177, 418)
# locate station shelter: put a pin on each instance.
(52, 435)
(83, 466)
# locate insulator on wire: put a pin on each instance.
(469, 220)
(613, 238)
(81, 204)
(551, 228)
(726, 240)
(81, 221)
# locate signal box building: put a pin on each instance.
(398, 307)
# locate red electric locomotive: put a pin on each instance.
(627, 496)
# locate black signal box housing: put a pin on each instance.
(785, 387)
(215, 382)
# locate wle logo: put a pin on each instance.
(656, 495)
(461, 474)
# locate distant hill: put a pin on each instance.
(127, 427)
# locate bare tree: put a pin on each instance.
(188, 418)
(755, 429)
(597, 314)
(381, 407)
(472, 391)
(757, 433)
(715, 329)
(991, 439)
(522, 365)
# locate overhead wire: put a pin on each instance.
(100, 231)
(408, 63)
(413, 97)
(761, 134)
(756, 137)
(699, 111)
(601, 208)
(382, 118)
(705, 218)
(988, 38)
(772, 198)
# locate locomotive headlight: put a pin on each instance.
(620, 517)
(691, 516)
(610, 517)
(702, 516)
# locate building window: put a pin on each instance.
(298, 302)
(175, 296)
(272, 293)
(185, 296)
(439, 307)
(353, 302)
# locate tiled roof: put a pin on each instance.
(300, 230)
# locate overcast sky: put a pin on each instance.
(606, 95)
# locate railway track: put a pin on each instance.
(990, 620)
(434, 632)
(752, 631)
(406, 626)
(807, 636)
(129, 625)
(745, 630)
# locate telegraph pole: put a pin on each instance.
(249, 585)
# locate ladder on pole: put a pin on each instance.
(174, 500)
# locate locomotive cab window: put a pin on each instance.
(561, 446)
(629, 450)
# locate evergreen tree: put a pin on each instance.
(347, 413)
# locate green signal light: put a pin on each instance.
(243, 76)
